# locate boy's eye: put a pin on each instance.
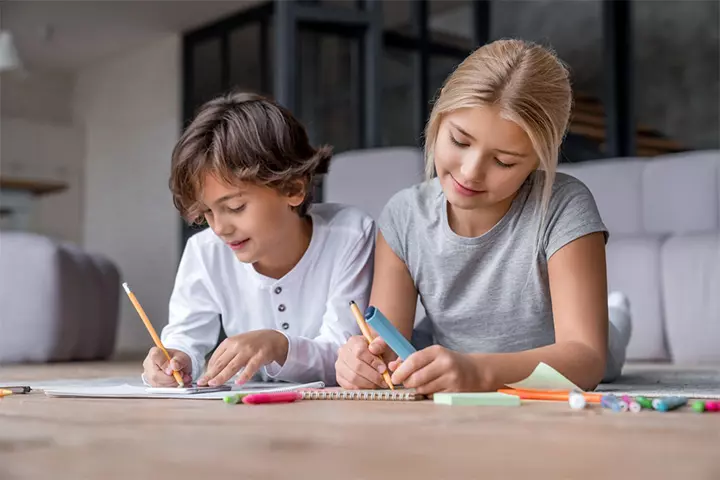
(237, 209)
(459, 144)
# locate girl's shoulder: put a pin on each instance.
(421, 200)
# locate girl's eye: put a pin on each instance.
(238, 209)
(503, 165)
(459, 144)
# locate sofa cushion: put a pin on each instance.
(59, 303)
(691, 292)
(634, 269)
(680, 193)
(368, 178)
(616, 186)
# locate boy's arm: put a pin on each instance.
(194, 317)
(313, 359)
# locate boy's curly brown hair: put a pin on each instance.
(244, 137)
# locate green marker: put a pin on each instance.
(699, 406)
(644, 402)
(234, 399)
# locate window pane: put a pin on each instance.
(397, 16)
(349, 4)
(676, 75)
(450, 23)
(328, 86)
(399, 100)
(246, 60)
(440, 68)
(206, 72)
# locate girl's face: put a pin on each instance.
(254, 221)
(481, 159)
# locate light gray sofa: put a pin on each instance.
(664, 250)
(57, 302)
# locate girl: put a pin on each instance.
(507, 256)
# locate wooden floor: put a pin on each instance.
(54, 438)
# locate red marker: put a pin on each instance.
(276, 397)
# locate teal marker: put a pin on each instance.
(669, 403)
(390, 334)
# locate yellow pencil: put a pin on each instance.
(366, 333)
(152, 331)
(5, 392)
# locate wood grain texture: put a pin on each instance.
(43, 438)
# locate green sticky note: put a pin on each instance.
(487, 399)
(545, 378)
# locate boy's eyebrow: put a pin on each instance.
(227, 197)
(506, 152)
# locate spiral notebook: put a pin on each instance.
(403, 395)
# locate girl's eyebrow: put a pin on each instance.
(461, 130)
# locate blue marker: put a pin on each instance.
(387, 332)
(668, 403)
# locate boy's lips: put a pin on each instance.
(239, 245)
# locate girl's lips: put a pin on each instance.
(463, 190)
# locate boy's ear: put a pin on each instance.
(296, 193)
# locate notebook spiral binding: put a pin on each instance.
(359, 395)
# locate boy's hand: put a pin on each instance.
(357, 367)
(251, 350)
(437, 369)
(159, 372)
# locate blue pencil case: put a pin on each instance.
(389, 333)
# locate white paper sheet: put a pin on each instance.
(132, 391)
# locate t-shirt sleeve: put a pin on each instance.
(393, 223)
(572, 213)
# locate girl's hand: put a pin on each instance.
(357, 367)
(437, 369)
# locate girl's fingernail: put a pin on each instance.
(381, 368)
(168, 371)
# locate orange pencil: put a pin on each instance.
(152, 331)
(549, 395)
(366, 333)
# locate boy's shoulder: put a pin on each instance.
(343, 218)
(206, 245)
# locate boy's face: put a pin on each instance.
(253, 221)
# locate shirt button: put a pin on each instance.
(278, 290)
(285, 326)
(281, 307)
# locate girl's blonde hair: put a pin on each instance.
(529, 84)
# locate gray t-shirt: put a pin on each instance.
(488, 294)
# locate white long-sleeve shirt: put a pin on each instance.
(309, 305)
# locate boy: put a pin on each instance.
(278, 274)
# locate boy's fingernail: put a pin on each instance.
(168, 371)
(381, 368)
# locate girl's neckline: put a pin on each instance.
(450, 234)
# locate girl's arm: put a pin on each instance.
(393, 289)
(578, 288)
(394, 294)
